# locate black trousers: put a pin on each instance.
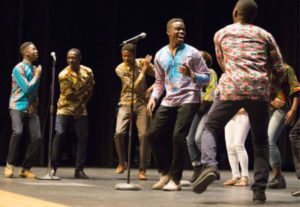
(18, 119)
(295, 145)
(177, 121)
(63, 124)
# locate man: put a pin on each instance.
(76, 88)
(23, 105)
(140, 67)
(180, 70)
(247, 54)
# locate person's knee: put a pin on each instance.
(119, 136)
(17, 131)
(239, 147)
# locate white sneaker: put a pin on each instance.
(164, 179)
(172, 186)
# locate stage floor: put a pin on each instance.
(99, 191)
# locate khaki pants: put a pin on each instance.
(141, 118)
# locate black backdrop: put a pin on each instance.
(98, 27)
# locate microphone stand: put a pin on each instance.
(48, 176)
(128, 185)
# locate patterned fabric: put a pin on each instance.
(246, 53)
(179, 88)
(125, 73)
(24, 86)
(290, 85)
(208, 92)
(70, 83)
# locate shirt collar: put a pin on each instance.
(27, 62)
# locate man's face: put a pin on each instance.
(73, 59)
(128, 57)
(31, 53)
(176, 33)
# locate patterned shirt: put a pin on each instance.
(125, 73)
(24, 86)
(70, 83)
(180, 89)
(246, 54)
(290, 85)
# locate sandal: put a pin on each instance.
(232, 181)
(244, 181)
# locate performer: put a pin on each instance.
(23, 105)
(282, 112)
(236, 131)
(76, 88)
(141, 67)
(194, 137)
(295, 145)
(181, 71)
(247, 54)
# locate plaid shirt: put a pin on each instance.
(69, 83)
(246, 53)
(179, 88)
(24, 86)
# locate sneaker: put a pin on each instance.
(196, 173)
(244, 181)
(80, 174)
(164, 179)
(259, 196)
(232, 181)
(142, 175)
(9, 171)
(26, 174)
(207, 176)
(278, 182)
(296, 193)
(121, 168)
(172, 186)
(53, 172)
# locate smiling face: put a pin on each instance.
(176, 33)
(31, 53)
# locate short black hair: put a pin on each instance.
(24, 46)
(207, 58)
(171, 21)
(75, 50)
(247, 9)
(129, 46)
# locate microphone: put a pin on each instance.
(135, 39)
(53, 56)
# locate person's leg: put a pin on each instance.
(142, 125)
(123, 120)
(258, 112)
(35, 140)
(194, 152)
(276, 125)
(242, 129)
(218, 116)
(17, 131)
(295, 145)
(62, 123)
(230, 130)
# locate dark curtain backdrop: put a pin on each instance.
(97, 28)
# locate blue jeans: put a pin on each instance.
(194, 137)
(276, 125)
(18, 119)
(218, 116)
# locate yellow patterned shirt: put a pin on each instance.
(71, 82)
(125, 73)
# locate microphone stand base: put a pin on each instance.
(48, 177)
(127, 186)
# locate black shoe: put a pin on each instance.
(259, 196)
(218, 176)
(278, 182)
(207, 176)
(296, 193)
(53, 171)
(80, 174)
(196, 173)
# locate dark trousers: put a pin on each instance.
(295, 145)
(18, 119)
(63, 124)
(218, 116)
(178, 120)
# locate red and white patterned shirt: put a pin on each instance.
(247, 54)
